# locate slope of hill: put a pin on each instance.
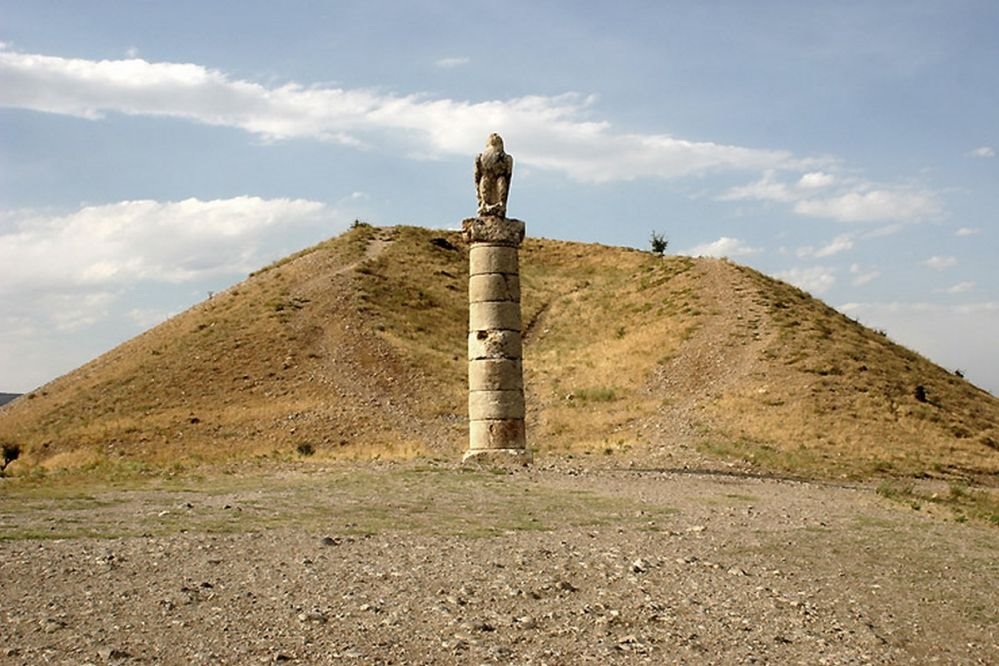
(356, 348)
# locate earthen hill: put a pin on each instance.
(356, 348)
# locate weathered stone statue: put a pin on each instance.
(496, 407)
(493, 170)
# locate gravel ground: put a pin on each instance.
(411, 564)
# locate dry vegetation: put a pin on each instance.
(205, 493)
(832, 394)
(355, 349)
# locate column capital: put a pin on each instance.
(492, 229)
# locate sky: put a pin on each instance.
(153, 152)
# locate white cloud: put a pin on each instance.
(884, 232)
(955, 336)
(872, 205)
(959, 288)
(120, 243)
(853, 200)
(552, 132)
(131, 52)
(112, 270)
(816, 180)
(862, 277)
(816, 280)
(35, 351)
(940, 263)
(148, 317)
(967, 231)
(723, 247)
(982, 151)
(839, 244)
(448, 63)
(767, 188)
(75, 311)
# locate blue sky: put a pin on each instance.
(152, 152)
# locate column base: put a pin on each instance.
(497, 457)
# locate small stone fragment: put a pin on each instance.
(108, 654)
(51, 624)
(565, 586)
(313, 616)
(526, 622)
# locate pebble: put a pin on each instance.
(107, 653)
(526, 622)
(51, 625)
(575, 594)
(313, 616)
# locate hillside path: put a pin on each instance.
(723, 351)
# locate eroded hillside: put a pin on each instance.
(356, 348)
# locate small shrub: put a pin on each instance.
(895, 490)
(305, 449)
(920, 393)
(444, 244)
(11, 452)
(658, 243)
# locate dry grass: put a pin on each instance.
(414, 498)
(964, 502)
(830, 395)
(355, 349)
(600, 319)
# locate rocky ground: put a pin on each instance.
(423, 563)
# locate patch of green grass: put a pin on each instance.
(766, 456)
(965, 502)
(438, 501)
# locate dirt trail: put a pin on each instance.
(715, 358)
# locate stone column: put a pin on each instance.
(495, 372)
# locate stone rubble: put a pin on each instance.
(813, 575)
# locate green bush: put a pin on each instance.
(659, 243)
